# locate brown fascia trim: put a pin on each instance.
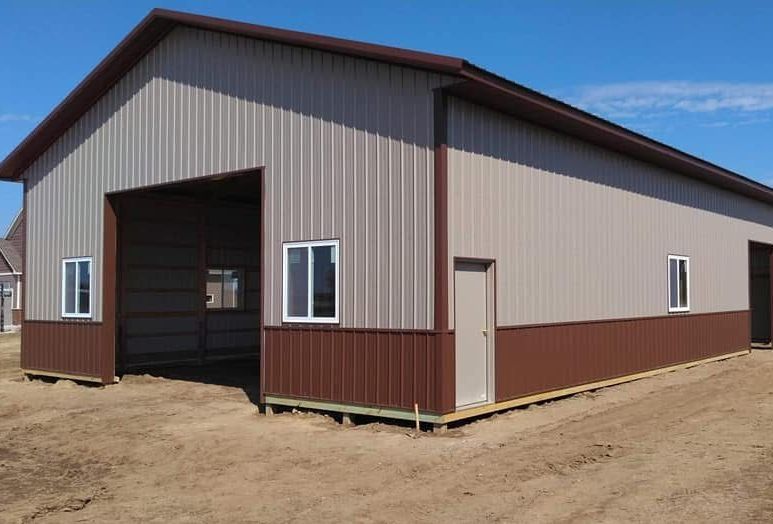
(478, 85)
(128, 52)
(154, 27)
(381, 53)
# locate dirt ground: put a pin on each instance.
(693, 445)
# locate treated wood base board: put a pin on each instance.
(540, 397)
(352, 409)
(56, 374)
(404, 414)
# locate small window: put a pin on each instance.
(310, 282)
(225, 288)
(76, 287)
(678, 284)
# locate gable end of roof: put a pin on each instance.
(476, 84)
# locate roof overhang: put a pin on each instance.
(503, 95)
(475, 84)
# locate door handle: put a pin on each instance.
(485, 332)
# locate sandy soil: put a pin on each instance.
(694, 445)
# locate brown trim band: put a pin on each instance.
(387, 368)
(441, 211)
(109, 291)
(74, 348)
(262, 276)
(446, 363)
(404, 414)
(535, 359)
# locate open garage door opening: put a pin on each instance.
(189, 278)
(760, 294)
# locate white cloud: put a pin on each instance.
(15, 117)
(645, 99)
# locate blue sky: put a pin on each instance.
(693, 74)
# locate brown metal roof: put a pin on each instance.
(475, 84)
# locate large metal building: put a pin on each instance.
(386, 229)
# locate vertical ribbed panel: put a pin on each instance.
(535, 359)
(582, 233)
(386, 368)
(346, 144)
(74, 348)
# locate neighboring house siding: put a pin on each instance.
(17, 234)
(4, 267)
(347, 146)
(582, 233)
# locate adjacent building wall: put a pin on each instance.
(347, 145)
(580, 233)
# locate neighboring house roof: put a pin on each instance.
(11, 256)
(475, 84)
(14, 224)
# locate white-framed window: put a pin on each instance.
(76, 287)
(225, 289)
(310, 282)
(678, 284)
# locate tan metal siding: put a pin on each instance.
(582, 233)
(346, 142)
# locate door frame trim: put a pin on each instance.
(491, 297)
(752, 244)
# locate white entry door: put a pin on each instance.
(471, 334)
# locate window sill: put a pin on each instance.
(307, 321)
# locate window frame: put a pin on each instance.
(76, 261)
(11, 300)
(309, 318)
(678, 258)
(241, 306)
